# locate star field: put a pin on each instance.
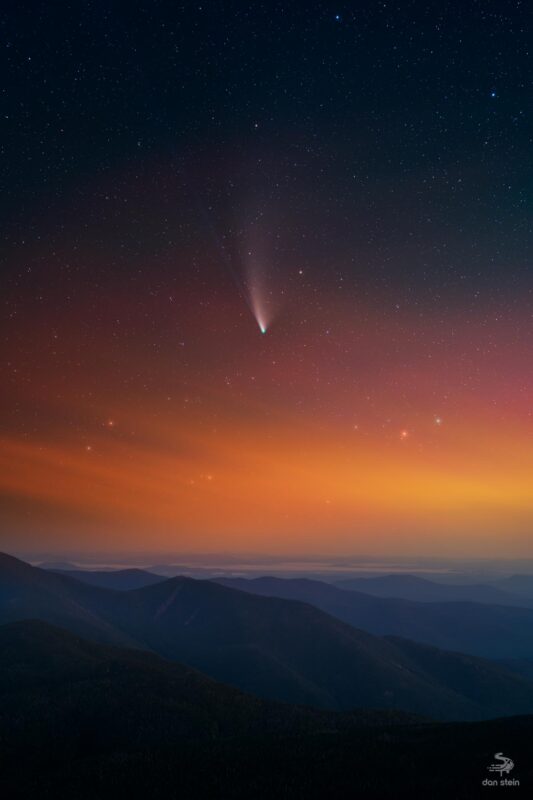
(267, 277)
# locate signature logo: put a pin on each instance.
(505, 765)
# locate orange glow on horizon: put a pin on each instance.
(296, 487)
(244, 443)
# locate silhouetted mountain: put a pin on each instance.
(31, 592)
(121, 579)
(518, 584)
(278, 649)
(411, 587)
(175, 570)
(62, 698)
(164, 698)
(85, 721)
(57, 566)
(522, 667)
(293, 652)
(497, 632)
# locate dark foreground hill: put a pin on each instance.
(91, 722)
(447, 762)
(278, 649)
(489, 631)
(50, 678)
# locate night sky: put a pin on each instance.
(353, 179)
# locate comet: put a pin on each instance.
(260, 309)
(251, 284)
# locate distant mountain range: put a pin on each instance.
(489, 631)
(101, 697)
(122, 579)
(279, 649)
(518, 585)
(516, 590)
(508, 592)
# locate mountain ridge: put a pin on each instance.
(279, 649)
(495, 632)
(85, 720)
